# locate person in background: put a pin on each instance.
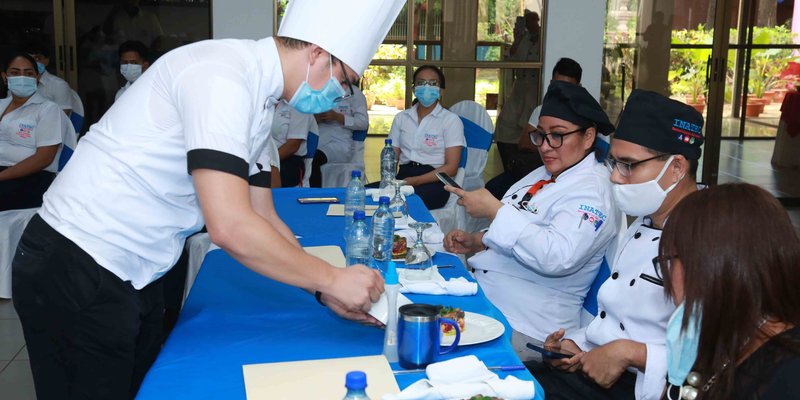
(566, 70)
(133, 61)
(289, 132)
(336, 129)
(549, 233)
(32, 129)
(622, 353)
(50, 87)
(427, 138)
(729, 257)
(182, 148)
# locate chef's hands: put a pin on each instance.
(478, 203)
(555, 344)
(607, 363)
(355, 288)
(329, 116)
(358, 316)
(460, 242)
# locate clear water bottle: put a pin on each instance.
(382, 235)
(388, 164)
(356, 384)
(357, 247)
(353, 200)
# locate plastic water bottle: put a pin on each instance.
(382, 235)
(356, 384)
(388, 164)
(358, 241)
(390, 334)
(353, 199)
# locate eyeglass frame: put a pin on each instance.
(612, 163)
(427, 82)
(346, 81)
(663, 264)
(546, 136)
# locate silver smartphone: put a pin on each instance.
(447, 180)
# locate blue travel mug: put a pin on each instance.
(419, 335)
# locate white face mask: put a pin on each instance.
(130, 72)
(642, 199)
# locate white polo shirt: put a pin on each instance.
(38, 123)
(335, 139)
(426, 143)
(289, 123)
(127, 197)
(56, 90)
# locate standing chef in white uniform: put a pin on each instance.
(550, 231)
(622, 353)
(181, 149)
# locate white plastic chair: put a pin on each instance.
(12, 224)
(447, 216)
(69, 140)
(478, 134)
(338, 174)
(77, 114)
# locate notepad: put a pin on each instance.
(317, 379)
(337, 210)
(331, 254)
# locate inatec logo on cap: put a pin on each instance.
(687, 132)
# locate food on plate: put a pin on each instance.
(399, 247)
(455, 314)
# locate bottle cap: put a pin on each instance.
(355, 173)
(358, 215)
(384, 200)
(391, 274)
(388, 141)
(356, 380)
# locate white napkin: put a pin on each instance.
(462, 378)
(437, 285)
(433, 237)
(405, 190)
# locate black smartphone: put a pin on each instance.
(317, 200)
(447, 180)
(547, 353)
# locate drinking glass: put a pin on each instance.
(419, 262)
(398, 206)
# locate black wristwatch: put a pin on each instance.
(318, 296)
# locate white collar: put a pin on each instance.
(269, 63)
(589, 161)
(36, 98)
(435, 113)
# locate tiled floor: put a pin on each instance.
(16, 382)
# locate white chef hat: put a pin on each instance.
(351, 30)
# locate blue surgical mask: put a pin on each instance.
(22, 86)
(40, 67)
(130, 72)
(310, 101)
(681, 345)
(427, 94)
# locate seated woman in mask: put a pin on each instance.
(550, 231)
(427, 139)
(729, 257)
(31, 132)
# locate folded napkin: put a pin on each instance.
(462, 378)
(432, 235)
(437, 285)
(405, 190)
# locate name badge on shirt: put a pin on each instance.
(25, 130)
(431, 139)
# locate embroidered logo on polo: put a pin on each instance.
(686, 132)
(430, 139)
(592, 216)
(25, 130)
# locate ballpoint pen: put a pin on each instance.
(504, 368)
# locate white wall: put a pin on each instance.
(242, 19)
(574, 29)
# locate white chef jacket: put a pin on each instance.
(335, 139)
(289, 123)
(426, 143)
(127, 197)
(56, 90)
(37, 123)
(122, 90)
(541, 259)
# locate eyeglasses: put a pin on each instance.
(662, 264)
(345, 83)
(626, 168)
(553, 139)
(426, 82)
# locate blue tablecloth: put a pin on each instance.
(234, 316)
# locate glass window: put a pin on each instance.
(385, 90)
(428, 29)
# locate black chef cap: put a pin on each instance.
(573, 103)
(661, 124)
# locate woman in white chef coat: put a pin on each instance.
(540, 255)
(622, 353)
(31, 133)
(428, 139)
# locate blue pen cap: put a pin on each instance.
(384, 200)
(387, 141)
(356, 380)
(391, 274)
(358, 215)
(355, 173)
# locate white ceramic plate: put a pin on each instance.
(479, 329)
